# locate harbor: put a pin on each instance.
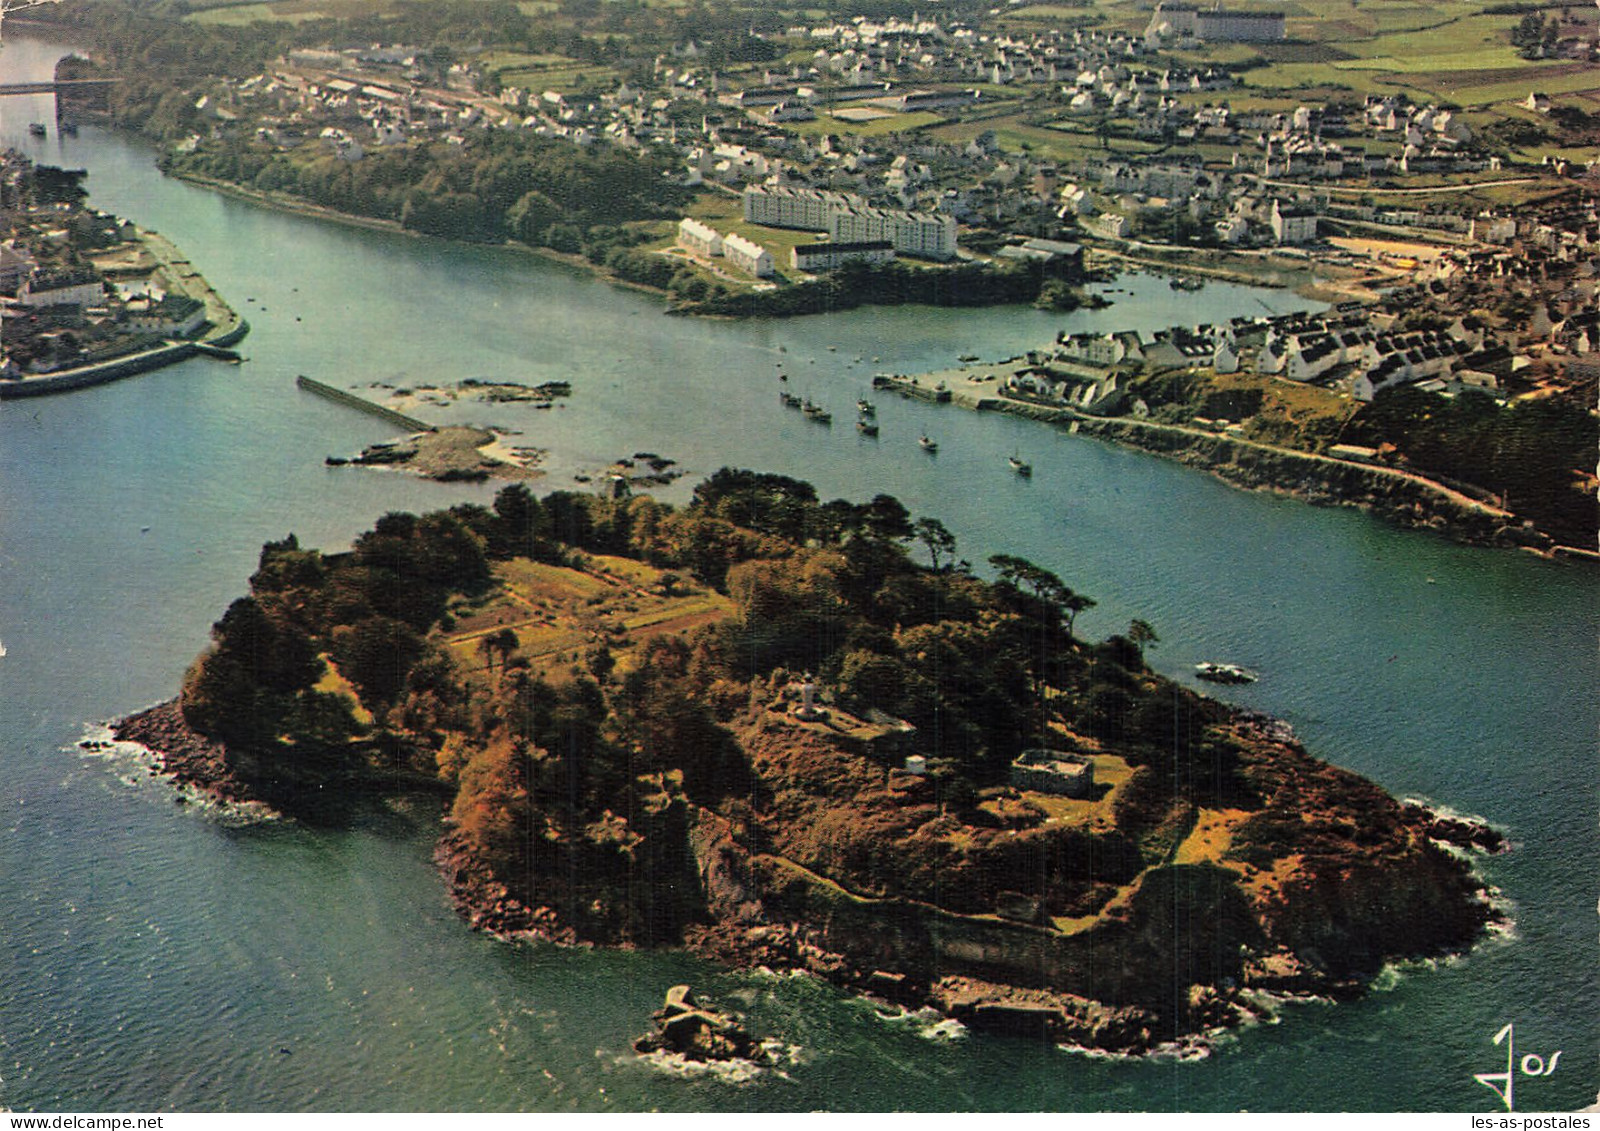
(153, 261)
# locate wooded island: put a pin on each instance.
(758, 727)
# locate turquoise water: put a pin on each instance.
(155, 955)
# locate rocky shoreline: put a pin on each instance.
(182, 754)
(749, 923)
(741, 933)
(1409, 500)
(487, 905)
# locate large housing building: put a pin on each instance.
(923, 234)
(705, 241)
(73, 287)
(781, 206)
(848, 219)
(1292, 224)
(1218, 25)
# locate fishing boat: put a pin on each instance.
(817, 413)
(1223, 673)
(927, 444)
(789, 400)
(866, 407)
(1020, 466)
(866, 427)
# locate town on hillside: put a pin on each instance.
(759, 160)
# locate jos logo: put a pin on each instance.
(1502, 1083)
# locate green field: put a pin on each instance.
(1553, 79)
(826, 123)
(1068, 140)
(242, 15)
(1054, 13)
(539, 73)
(232, 13)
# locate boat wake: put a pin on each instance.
(927, 1022)
(734, 1072)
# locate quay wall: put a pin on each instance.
(86, 375)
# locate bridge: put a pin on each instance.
(19, 5)
(55, 87)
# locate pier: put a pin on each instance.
(349, 400)
(912, 387)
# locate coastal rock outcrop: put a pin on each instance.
(182, 752)
(696, 1031)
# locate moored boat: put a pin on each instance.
(927, 444)
(1020, 466)
(866, 428)
(866, 407)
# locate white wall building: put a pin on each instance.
(1293, 225)
(827, 255)
(701, 239)
(60, 290)
(847, 219)
(924, 234)
(747, 255)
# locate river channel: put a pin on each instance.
(155, 955)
